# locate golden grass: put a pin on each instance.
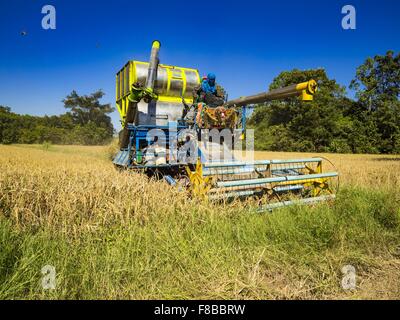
(372, 171)
(120, 235)
(75, 183)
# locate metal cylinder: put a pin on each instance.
(153, 65)
(172, 81)
(307, 89)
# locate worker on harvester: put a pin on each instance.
(208, 84)
(209, 100)
(208, 92)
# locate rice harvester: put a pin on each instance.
(166, 134)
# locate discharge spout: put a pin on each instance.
(305, 91)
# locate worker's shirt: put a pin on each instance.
(205, 86)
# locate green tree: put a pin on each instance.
(377, 86)
(16, 128)
(378, 79)
(88, 109)
(294, 125)
(387, 121)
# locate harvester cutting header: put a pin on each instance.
(169, 115)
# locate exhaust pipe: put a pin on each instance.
(153, 65)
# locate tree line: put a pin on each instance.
(86, 123)
(370, 123)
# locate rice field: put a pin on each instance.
(119, 235)
(372, 171)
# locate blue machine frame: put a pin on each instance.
(138, 139)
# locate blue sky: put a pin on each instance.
(246, 43)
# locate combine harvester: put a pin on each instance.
(166, 134)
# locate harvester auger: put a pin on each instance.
(166, 134)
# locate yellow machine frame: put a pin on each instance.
(128, 75)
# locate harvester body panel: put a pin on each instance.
(172, 83)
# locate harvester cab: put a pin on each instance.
(169, 135)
